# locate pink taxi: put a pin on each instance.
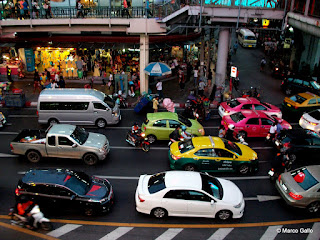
(249, 103)
(252, 123)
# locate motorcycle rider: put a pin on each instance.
(186, 135)
(135, 130)
(230, 134)
(24, 206)
(273, 130)
(175, 135)
(280, 163)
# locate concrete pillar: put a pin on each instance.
(222, 58)
(292, 6)
(144, 60)
(306, 10)
(202, 55)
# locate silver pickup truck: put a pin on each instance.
(61, 141)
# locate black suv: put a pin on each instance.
(62, 188)
(299, 141)
(299, 85)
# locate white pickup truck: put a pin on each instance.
(61, 141)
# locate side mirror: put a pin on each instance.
(74, 145)
(212, 202)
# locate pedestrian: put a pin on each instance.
(181, 79)
(222, 132)
(195, 76)
(201, 87)
(46, 9)
(159, 88)
(26, 8)
(262, 64)
(125, 9)
(79, 8)
(85, 69)
(54, 84)
(148, 12)
(235, 47)
(35, 9)
(9, 72)
(36, 81)
(61, 83)
(155, 104)
(111, 78)
(48, 74)
(17, 10)
(131, 88)
(56, 77)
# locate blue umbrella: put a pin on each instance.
(157, 69)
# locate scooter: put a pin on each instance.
(241, 140)
(120, 100)
(40, 222)
(141, 141)
(285, 165)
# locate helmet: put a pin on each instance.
(231, 127)
(23, 199)
(183, 128)
(135, 123)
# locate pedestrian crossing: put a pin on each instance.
(305, 231)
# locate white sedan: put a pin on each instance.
(311, 121)
(188, 194)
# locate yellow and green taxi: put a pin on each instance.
(300, 103)
(159, 125)
(212, 154)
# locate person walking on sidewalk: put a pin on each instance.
(9, 71)
(155, 104)
(201, 87)
(159, 89)
(262, 64)
(235, 47)
(36, 81)
(195, 76)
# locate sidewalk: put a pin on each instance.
(170, 86)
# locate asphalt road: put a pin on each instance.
(262, 218)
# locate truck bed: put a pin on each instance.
(29, 135)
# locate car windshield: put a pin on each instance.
(237, 117)
(80, 135)
(298, 99)
(233, 103)
(267, 105)
(108, 100)
(185, 146)
(315, 114)
(250, 38)
(231, 146)
(315, 85)
(156, 183)
(77, 184)
(304, 178)
(212, 186)
(184, 120)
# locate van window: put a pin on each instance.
(52, 140)
(109, 101)
(80, 106)
(250, 38)
(99, 106)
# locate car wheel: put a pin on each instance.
(15, 218)
(47, 226)
(90, 159)
(244, 169)
(224, 215)
(152, 138)
(53, 121)
(145, 147)
(88, 211)
(101, 123)
(190, 167)
(292, 157)
(243, 134)
(288, 91)
(33, 156)
(313, 207)
(159, 212)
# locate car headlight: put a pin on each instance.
(101, 150)
(201, 131)
(238, 205)
(277, 143)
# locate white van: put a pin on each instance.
(247, 38)
(78, 106)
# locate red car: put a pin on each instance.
(249, 103)
(252, 123)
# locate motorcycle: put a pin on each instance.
(236, 82)
(39, 222)
(172, 140)
(285, 165)
(252, 92)
(242, 140)
(120, 100)
(141, 141)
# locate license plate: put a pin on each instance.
(284, 187)
(271, 173)
(250, 45)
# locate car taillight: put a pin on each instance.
(295, 107)
(37, 113)
(287, 145)
(295, 196)
(145, 128)
(11, 147)
(313, 124)
(140, 199)
(282, 82)
(17, 191)
(175, 157)
(227, 111)
(279, 178)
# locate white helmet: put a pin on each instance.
(231, 127)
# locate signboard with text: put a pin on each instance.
(233, 72)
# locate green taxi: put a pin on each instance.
(212, 154)
(159, 125)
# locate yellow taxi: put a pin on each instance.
(212, 154)
(300, 103)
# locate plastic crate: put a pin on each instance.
(15, 100)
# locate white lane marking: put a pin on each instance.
(118, 177)
(220, 234)
(153, 148)
(9, 133)
(117, 233)
(8, 155)
(316, 232)
(271, 232)
(63, 230)
(8, 124)
(22, 116)
(169, 234)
